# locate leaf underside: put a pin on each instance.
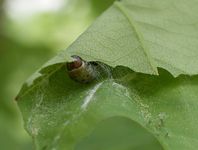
(150, 37)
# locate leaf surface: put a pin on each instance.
(60, 112)
(136, 35)
(144, 35)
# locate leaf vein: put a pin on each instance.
(138, 35)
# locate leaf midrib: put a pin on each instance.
(121, 8)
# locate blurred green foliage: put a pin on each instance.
(25, 44)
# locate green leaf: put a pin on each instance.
(15, 62)
(144, 35)
(131, 35)
(60, 112)
(119, 133)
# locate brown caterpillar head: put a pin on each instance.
(75, 64)
(81, 70)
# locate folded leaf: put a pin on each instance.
(138, 35)
(144, 35)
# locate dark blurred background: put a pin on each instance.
(31, 32)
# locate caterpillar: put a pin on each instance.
(81, 70)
